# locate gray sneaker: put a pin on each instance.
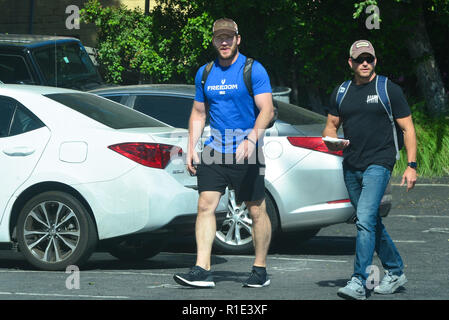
(354, 290)
(390, 283)
(197, 278)
(257, 279)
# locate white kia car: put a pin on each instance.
(80, 172)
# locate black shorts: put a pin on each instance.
(218, 171)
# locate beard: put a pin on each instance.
(231, 56)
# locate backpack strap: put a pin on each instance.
(341, 93)
(382, 93)
(206, 72)
(247, 75)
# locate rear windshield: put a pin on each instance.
(107, 112)
(295, 115)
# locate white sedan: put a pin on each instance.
(79, 172)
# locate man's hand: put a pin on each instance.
(192, 159)
(332, 146)
(409, 176)
(245, 150)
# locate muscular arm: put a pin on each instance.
(197, 122)
(332, 125)
(330, 130)
(406, 124)
(264, 103)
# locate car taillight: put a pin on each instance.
(313, 143)
(154, 155)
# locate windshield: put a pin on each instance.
(109, 113)
(66, 65)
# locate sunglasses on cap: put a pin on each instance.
(360, 60)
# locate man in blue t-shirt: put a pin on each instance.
(232, 156)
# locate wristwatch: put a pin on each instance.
(412, 165)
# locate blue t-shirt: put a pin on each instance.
(232, 110)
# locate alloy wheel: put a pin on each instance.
(236, 228)
(51, 231)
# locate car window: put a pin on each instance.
(24, 121)
(72, 64)
(107, 112)
(16, 119)
(172, 110)
(114, 98)
(7, 107)
(13, 69)
(296, 115)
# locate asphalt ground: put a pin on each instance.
(418, 223)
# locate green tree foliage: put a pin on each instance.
(128, 46)
(303, 44)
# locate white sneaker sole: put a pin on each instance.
(247, 285)
(401, 281)
(194, 284)
(347, 294)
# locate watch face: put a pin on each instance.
(412, 165)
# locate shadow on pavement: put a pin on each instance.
(163, 260)
(229, 276)
(333, 283)
(283, 244)
(185, 257)
(318, 245)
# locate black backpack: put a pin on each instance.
(248, 83)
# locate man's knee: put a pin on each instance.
(208, 202)
(365, 224)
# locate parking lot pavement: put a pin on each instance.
(418, 223)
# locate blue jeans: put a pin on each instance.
(366, 189)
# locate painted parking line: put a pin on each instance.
(409, 241)
(93, 272)
(57, 295)
(437, 230)
(423, 185)
(269, 257)
(291, 259)
(416, 216)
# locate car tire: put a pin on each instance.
(136, 250)
(233, 234)
(55, 230)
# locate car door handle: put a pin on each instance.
(18, 151)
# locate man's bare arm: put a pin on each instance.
(197, 122)
(264, 102)
(330, 130)
(406, 124)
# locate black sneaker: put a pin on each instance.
(257, 279)
(197, 278)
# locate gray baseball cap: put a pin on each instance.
(361, 46)
(225, 26)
